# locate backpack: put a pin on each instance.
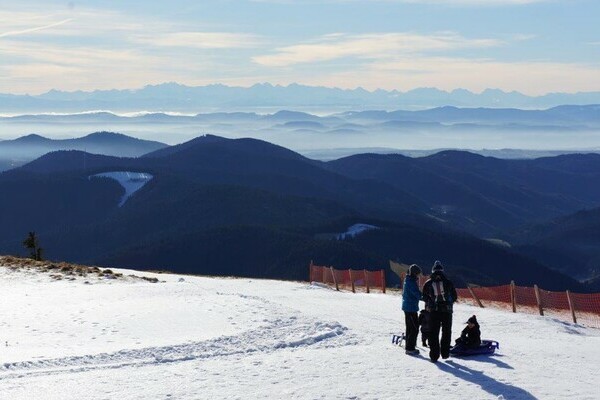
(441, 298)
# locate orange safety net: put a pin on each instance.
(588, 303)
(525, 299)
(587, 308)
(375, 278)
(328, 276)
(494, 294)
(347, 278)
(464, 295)
(316, 273)
(554, 304)
(584, 308)
(343, 277)
(359, 278)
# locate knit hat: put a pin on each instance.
(414, 270)
(437, 266)
(472, 320)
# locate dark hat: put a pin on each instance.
(437, 266)
(414, 270)
(472, 320)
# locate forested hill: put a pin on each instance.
(250, 208)
(24, 149)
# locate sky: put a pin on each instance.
(531, 46)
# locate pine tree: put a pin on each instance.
(31, 243)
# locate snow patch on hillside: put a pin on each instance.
(131, 181)
(356, 229)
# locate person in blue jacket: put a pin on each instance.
(410, 305)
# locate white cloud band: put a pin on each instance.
(384, 45)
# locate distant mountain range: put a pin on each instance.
(565, 115)
(177, 97)
(574, 117)
(27, 148)
(250, 208)
(531, 133)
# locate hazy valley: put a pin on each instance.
(502, 133)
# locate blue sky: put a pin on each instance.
(533, 46)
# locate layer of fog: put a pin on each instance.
(327, 141)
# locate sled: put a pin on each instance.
(485, 348)
(398, 339)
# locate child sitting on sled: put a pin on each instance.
(471, 335)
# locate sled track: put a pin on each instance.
(281, 333)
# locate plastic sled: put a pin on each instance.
(398, 339)
(486, 347)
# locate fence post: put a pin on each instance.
(310, 268)
(334, 279)
(513, 297)
(538, 298)
(571, 307)
(367, 280)
(474, 296)
(383, 280)
(323, 277)
(352, 280)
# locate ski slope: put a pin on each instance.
(355, 230)
(130, 181)
(217, 338)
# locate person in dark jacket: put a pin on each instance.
(410, 305)
(439, 295)
(425, 326)
(471, 335)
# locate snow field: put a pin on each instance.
(219, 338)
(130, 181)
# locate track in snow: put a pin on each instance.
(281, 333)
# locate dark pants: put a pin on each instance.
(439, 320)
(411, 320)
(424, 337)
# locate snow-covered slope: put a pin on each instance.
(216, 338)
(355, 229)
(131, 181)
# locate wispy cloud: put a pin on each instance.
(82, 24)
(384, 45)
(201, 40)
(471, 2)
(447, 2)
(44, 47)
(521, 37)
(104, 49)
(34, 29)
